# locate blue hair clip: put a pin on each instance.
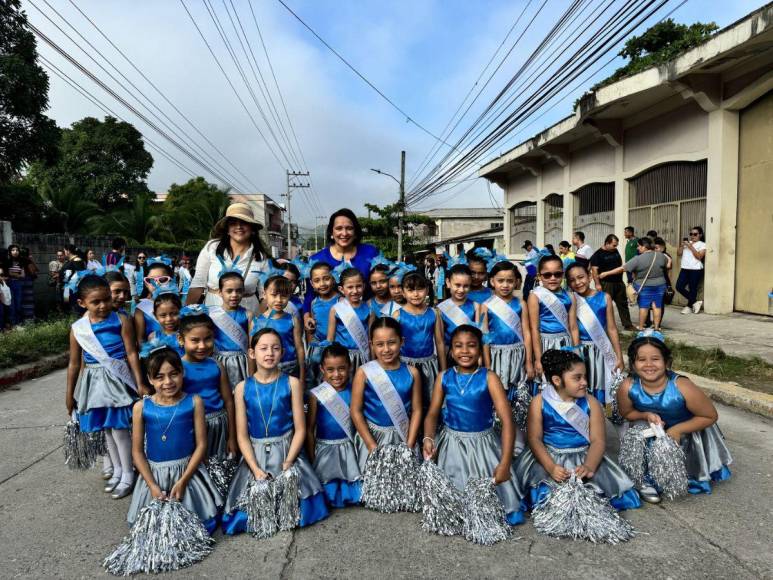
(460, 259)
(152, 346)
(380, 260)
(165, 260)
(112, 267)
(494, 260)
(651, 333)
(268, 273)
(400, 271)
(338, 270)
(575, 349)
(194, 310)
(305, 269)
(484, 253)
(161, 289)
(540, 254)
(226, 269)
(78, 277)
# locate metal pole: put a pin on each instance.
(289, 222)
(401, 208)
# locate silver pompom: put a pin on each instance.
(97, 442)
(222, 472)
(574, 510)
(165, 537)
(632, 456)
(484, 515)
(520, 405)
(287, 492)
(390, 481)
(79, 450)
(442, 504)
(259, 502)
(617, 380)
(666, 462)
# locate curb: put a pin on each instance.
(25, 372)
(734, 395)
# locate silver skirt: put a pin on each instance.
(235, 364)
(356, 358)
(336, 459)
(98, 388)
(507, 361)
(382, 435)
(609, 479)
(201, 496)
(217, 434)
(313, 372)
(706, 452)
(554, 341)
(270, 453)
(594, 363)
(464, 456)
(428, 371)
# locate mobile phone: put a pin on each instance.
(684, 239)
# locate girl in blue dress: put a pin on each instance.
(205, 377)
(345, 328)
(476, 262)
(656, 394)
(231, 328)
(316, 320)
(566, 433)
(378, 280)
(599, 339)
(396, 296)
(169, 442)
(103, 378)
(120, 291)
(329, 430)
(458, 309)
(271, 430)
(423, 346)
(166, 310)
(468, 447)
(552, 312)
(159, 273)
(277, 290)
(381, 381)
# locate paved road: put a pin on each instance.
(58, 523)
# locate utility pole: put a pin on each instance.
(290, 187)
(401, 208)
(316, 225)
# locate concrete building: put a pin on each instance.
(271, 215)
(688, 143)
(455, 222)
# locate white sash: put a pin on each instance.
(336, 406)
(229, 326)
(85, 336)
(390, 308)
(390, 398)
(147, 307)
(291, 309)
(506, 314)
(454, 313)
(553, 304)
(354, 325)
(569, 411)
(598, 335)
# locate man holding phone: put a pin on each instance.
(692, 251)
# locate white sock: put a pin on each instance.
(520, 440)
(112, 452)
(124, 443)
(107, 464)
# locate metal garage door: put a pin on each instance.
(594, 212)
(554, 219)
(523, 225)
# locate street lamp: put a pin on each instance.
(400, 204)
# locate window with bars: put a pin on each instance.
(554, 218)
(523, 224)
(594, 212)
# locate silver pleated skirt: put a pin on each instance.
(464, 456)
(609, 479)
(336, 459)
(554, 341)
(594, 364)
(235, 364)
(217, 434)
(507, 361)
(706, 452)
(356, 358)
(313, 372)
(97, 388)
(270, 453)
(201, 495)
(428, 371)
(382, 435)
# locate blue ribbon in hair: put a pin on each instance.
(651, 333)
(380, 260)
(152, 346)
(78, 277)
(165, 260)
(225, 268)
(451, 261)
(160, 289)
(484, 253)
(270, 272)
(194, 310)
(494, 260)
(338, 270)
(400, 271)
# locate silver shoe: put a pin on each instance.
(649, 494)
(107, 474)
(122, 490)
(112, 484)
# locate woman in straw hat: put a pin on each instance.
(236, 244)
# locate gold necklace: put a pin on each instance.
(270, 411)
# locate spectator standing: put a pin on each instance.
(31, 272)
(692, 251)
(531, 269)
(74, 264)
(118, 250)
(584, 252)
(14, 268)
(604, 259)
(54, 276)
(630, 248)
(91, 261)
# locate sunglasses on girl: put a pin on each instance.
(549, 275)
(157, 279)
(140, 257)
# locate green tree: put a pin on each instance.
(381, 231)
(106, 160)
(191, 209)
(67, 210)
(138, 223)
(26, 134)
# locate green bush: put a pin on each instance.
(33, 341)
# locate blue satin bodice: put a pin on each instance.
(259, 396)
(558, 433)
(203, 379)
(418, 333)
(342, 335)
(480, 295)
(327, 426)
(472, 411)
(376, 307)
(597, 303)
(284, 325)
(173, 421)
(448, 326)
(170, 340)
(669, 403)
(547, 322)
(320, 310)
(374, 410)
(224, 343)
(151, 324)
(108, 333)
(498, 331)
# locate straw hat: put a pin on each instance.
(239, 211)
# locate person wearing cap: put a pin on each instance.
(531, 254)
(236, 243)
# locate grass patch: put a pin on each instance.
(33, 341)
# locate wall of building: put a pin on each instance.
(454, 227)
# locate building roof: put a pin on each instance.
(736, 55)
(461, 212)
(472, 236)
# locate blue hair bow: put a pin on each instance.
(460, 259)
(152, 346)
(78, 277)
(225, 268)
(305, 268)
(380, 260)
(651, 333)
(338, 270)
(112, 267)
(494, 260)
(484, 253)
(194, 310)
(400, 271)
(535, 260)
(270, 272)
(165, 260)
(160, 289)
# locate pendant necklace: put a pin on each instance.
(174, 414)
(270, 411)
(467, 384)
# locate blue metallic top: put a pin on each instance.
(472, 410)
(151, 324)
(108, 333)
(374, 410)
(203, 379)
(418, 333)
(448, 326)
(342, 335)
(276, 404)
(597, 303)
(480, 295)
(327, 426)
(170, 340)
(223, 342)
(669, 403)
(376, 307)
(547, 322)
(320, 310)
(558, 433)
(284, 325)
(169, 429)
(500, 333)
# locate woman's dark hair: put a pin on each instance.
(318, 265)
(349, 214)
(168, 271)
(633, 350)
(414, 281)
(335, 350)
(504, 266)
(645, 242)
(229, 276)
(258, 249)
(350, 273)
(469, 329)
(73, 249)
(556, 362)
(263, 332)
(459, 269)
(11, 247)
(551, 258)
(574, 266)
(551, 249)
(659, 242)
(610, 238)
(154, 362)
(700, 231)
(91, 283)
(114, 276)
(283, 286)
(188, 323)
(564, 244)
(385, 322)
(168, 297)
(472, 257)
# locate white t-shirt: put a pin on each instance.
(584, 251)
(690, 262)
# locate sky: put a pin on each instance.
(423, 55)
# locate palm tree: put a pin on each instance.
(68, 207)
(137, 223)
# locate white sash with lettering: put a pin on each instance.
(569, 411)
(553, 304)
(506, 314)
(85, 336)
(147, 307)
(390, 398)
(354, 325)
(454, 313)
(598, 335)
(229, 326)
(335, 405)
